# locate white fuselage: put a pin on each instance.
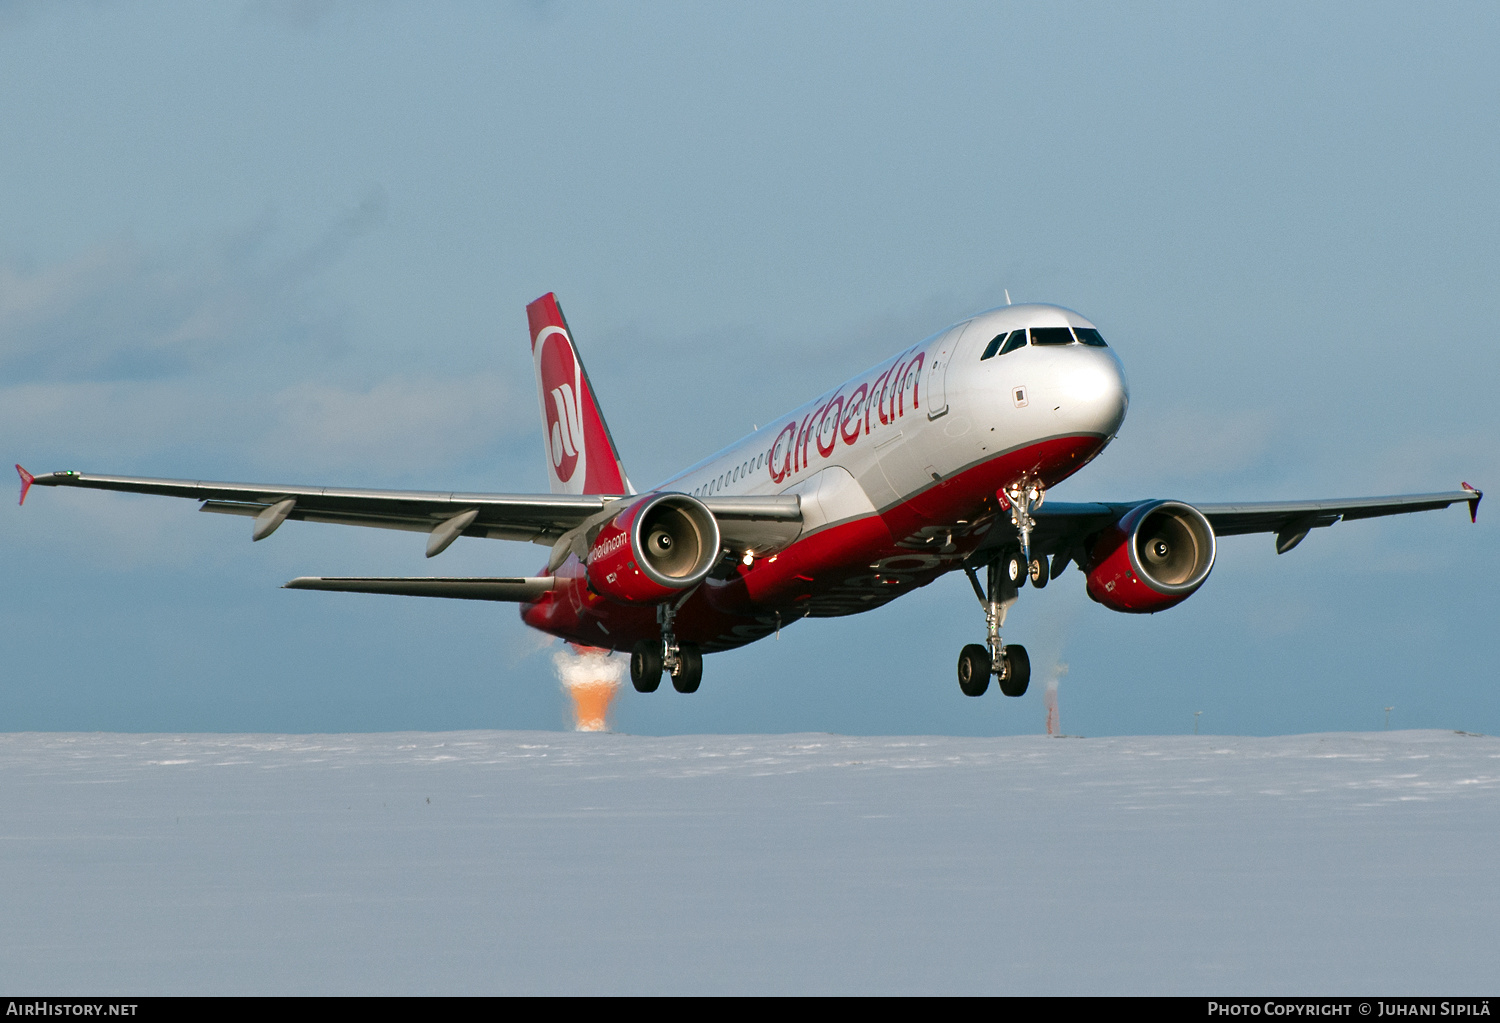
(927, 413)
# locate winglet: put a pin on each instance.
(1473, 501)
(26, 481)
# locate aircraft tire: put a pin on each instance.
(690, 673)
(1018, 671)
(645, 666)
(1037, 572)
(1015, 570)
(974, 670)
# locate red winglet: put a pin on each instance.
(1473, 505)
(26, 479)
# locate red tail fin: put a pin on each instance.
(581, 455)
(26, 480)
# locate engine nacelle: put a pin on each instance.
(1153, 558)
(653, 550)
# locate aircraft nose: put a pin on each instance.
(1092, 393)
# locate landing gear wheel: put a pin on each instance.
(974, 670)
(1017, 671)
(1015, 569)
(1037, 572)
(645, 666)
(689, 669)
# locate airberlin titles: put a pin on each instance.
(612, 566)
(849, 417)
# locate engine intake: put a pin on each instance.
(659, 546)
(1155, 557)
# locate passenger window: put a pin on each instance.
(991, 349)
(1017, 340)
(1051, 336)
(1090, 336)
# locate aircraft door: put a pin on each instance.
(937, 370)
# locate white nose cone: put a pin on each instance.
(1088, 384)
(1091, 391)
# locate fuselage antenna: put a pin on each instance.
(1007, 296)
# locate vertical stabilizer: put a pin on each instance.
(581, 455)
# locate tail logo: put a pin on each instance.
(560, 374)
(566, 425)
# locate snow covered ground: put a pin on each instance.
(476, 862)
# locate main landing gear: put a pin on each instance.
(649, 658)
(1008, 662)
(1003, 578)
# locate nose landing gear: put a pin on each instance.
(1022, 497)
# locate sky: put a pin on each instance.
(287, 241)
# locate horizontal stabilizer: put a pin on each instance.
(516, 590)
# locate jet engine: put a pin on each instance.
(653, 550)
(1155, 557)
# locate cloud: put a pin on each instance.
(119, 312)
(396, 422)
(226, 358)
(1203, 452)
(395, 426)
(298, 14)
(14, 12)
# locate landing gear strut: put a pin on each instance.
(1023, 497)
(1009, 663)
(683, 661)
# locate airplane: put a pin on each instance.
(939, 459)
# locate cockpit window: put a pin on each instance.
(1090, 336)
(1051, 336)
(999, 344)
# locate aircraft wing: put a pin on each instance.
(1280, 517)
(539, 518)
(1061, 528)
